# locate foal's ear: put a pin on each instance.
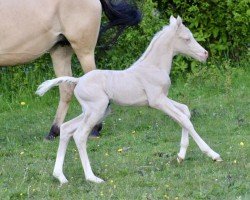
(172, 20)
(175, 22)
(179, 21)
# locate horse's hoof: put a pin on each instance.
(95, 133)
(49, 138)
(179, 159)
(53, 133)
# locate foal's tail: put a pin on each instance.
(47, 85)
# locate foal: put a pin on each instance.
(146, 82)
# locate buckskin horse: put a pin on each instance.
(28, 29)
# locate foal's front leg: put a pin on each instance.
(184, 137)
(166, 105)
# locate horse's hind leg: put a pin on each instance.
(83, 39)
(67, 130)
(61, 58)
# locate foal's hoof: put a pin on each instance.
(217, 159)
(179, 159)
(63, 182)
(61, 178)
(95, 179)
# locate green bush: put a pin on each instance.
(222, 27)
(133, 42)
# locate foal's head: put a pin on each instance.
(184, 42)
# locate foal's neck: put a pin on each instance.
(160, 51)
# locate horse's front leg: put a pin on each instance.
(61, 58)
(167, 106)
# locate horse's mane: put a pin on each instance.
(155, 38)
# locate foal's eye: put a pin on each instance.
(187, 39)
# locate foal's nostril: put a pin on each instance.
(206, 53)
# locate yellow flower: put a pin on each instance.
(120, 150)
(22, 153)
(242, 144)
(106, 154)
(133, 132)
(235, 161)
(111, 181)
(22, 103)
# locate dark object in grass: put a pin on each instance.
(55, 131)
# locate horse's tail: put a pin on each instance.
(47, 85)
(121, 14)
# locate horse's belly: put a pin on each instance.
(27, 30)
(15, 53)
(15, 58)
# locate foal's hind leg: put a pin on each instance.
(165, 104)
(96, 130)
(67, 130)
(185, 137)
(61, 58)
(92, 116)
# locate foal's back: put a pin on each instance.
(123, 87)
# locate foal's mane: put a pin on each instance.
(155, 38)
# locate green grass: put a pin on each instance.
(148, 168)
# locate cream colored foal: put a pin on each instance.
(146, 82)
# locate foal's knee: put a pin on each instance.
(65, 131)
(186, 111)
(185, 122)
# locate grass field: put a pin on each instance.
(146, 166)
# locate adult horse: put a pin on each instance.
(30, 28)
